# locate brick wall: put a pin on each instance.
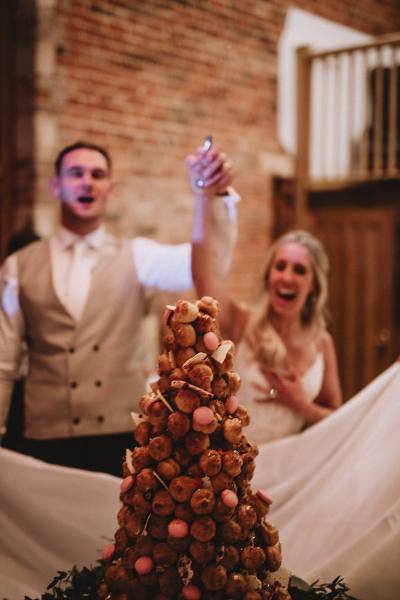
(150, 78)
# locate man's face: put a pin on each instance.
(83, 186)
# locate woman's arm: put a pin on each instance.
(211, 167)
(330, 395)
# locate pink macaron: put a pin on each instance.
(229, 498)
(126, 484)
(191, 592)
(211, 341)
(108, 552)
(143, 565)
(231, 404)
(203, 415)
(264, 496)
(178, 528)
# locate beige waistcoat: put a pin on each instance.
(84, 377)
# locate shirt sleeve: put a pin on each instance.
(168, 267)
(11, 335)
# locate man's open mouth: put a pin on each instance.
(85, 199)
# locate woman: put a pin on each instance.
(285, 355)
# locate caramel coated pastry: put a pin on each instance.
(182, 456)
(210, 462)
(236, 585)
(178, 424)
(194, 471)
(274, 556)
(142, 433)
(214, 577)
(242, 414)
(220, 387)
(158, 414)
(121, 540)
(141, 458)
(232, 462)
(181, 488)
(102, 591)
(123, 514)
(226, 365)
(232, 430)
(205, 323)
(184, 333)
(249, 465)
(164, 555)
(262, 508)
(234, 381)
(145, 402)
(133, 525)
(160, 447)
(164, 366)
(169, 341)
(201, 375)
(140, 505)
(144, 546)
(221, 481)
(202, 501)
(202, 552)
(252, 557)
(230, 532)
(178, 374)
(181, 356)
(163, 383)
(149, 579)
(170, 582)
(252, 596)
(187, 401)
(116, 577)
(230, 557)
(222, 513)
(163, 504)
(269, 534)
(183, 511)
(209, 305)
(136, 589)
(247, 516)
(158, 527)
(203, 529)
(185, 312)
(168, 469)
(146, 480)
(196, 442)
(180, 545)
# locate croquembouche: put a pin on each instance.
(190, 527)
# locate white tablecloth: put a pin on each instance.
(336, 492)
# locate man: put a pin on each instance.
(78, 300)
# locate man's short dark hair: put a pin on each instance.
(77, 146)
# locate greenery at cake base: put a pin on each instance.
(83, 584)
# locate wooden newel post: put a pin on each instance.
(303, 106)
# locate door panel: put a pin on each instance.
(361, 244)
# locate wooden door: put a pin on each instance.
(363, 246)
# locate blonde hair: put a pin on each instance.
(260, 334)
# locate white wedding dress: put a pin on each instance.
(270, 421)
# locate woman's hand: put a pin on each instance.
(281, 388)
(209, 171)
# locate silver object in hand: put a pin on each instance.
(199, 183)
(272, 393)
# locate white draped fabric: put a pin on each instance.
(336, 492)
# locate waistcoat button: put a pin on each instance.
(73, 384)
(76, 420)
(98, 383)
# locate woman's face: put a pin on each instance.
(291, 279)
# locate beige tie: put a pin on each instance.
(78, 279)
